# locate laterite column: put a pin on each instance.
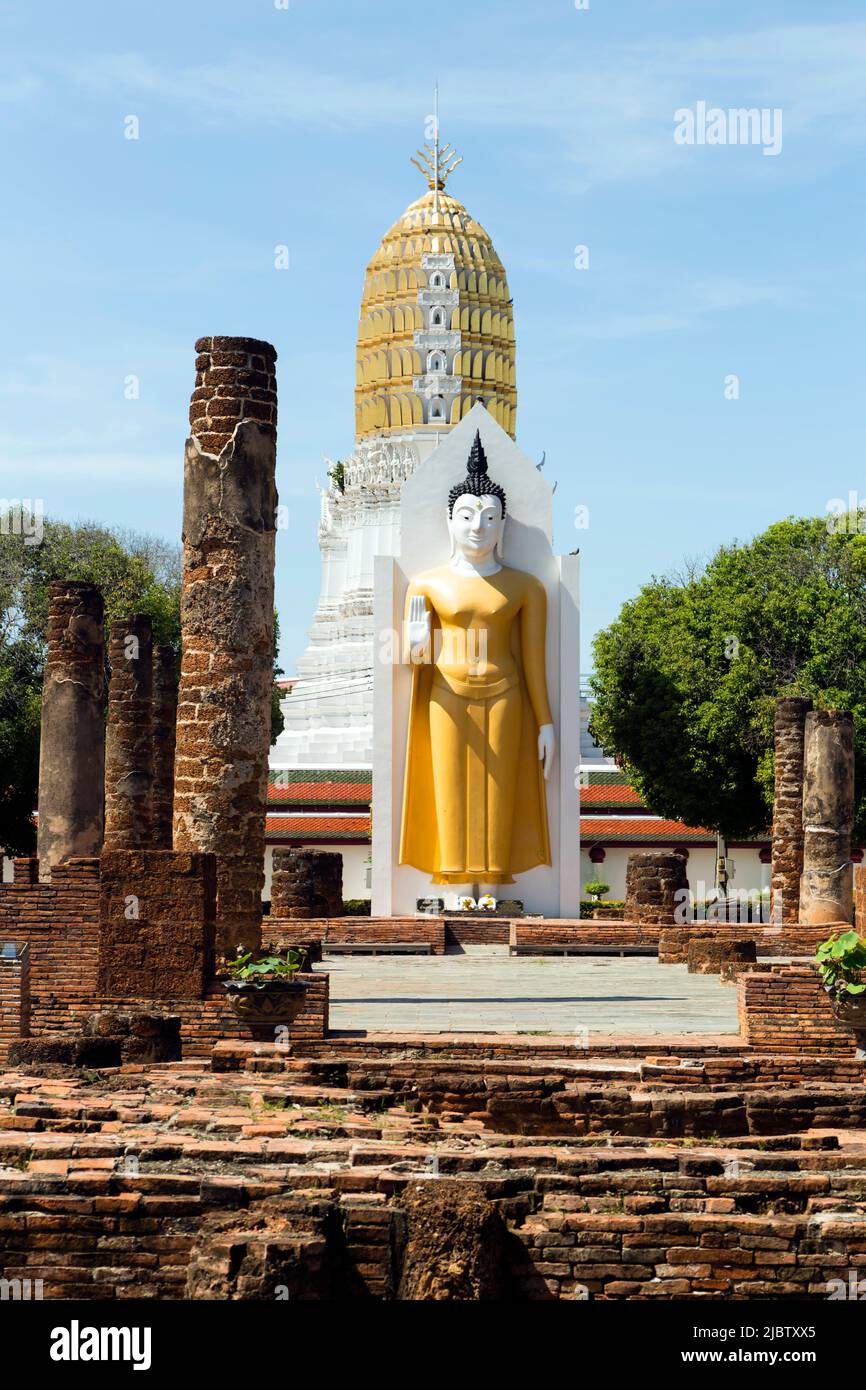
(72, 747)
(227, 626)
(826, 890)
(164, 722)
(128, 739)
(790, 730)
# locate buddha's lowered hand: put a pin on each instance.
(546, 747)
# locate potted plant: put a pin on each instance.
(841, 960)
(263, 990)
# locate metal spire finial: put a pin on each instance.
(437, 161)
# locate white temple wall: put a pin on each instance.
(750, 875)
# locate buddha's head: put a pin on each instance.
(476, 511)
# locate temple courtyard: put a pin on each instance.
(488, 1100)
(483, 989)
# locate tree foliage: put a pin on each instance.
(135, 573)
(686, 677)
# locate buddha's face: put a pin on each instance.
(476, 526)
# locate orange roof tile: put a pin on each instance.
(622, 795)
(595, 828)
(318, 827)
(320, 793)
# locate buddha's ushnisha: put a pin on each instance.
(481, 736)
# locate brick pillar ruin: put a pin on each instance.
(128, 745)
(656, 888)
(72, 747)
(790, 729)
(306, 883)
(164, 948)
(826, 892)
(164, 721)
(227, 626)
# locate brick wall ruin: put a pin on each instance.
(14, 995)
(784, 1008)
(85, 953)
(157, 911)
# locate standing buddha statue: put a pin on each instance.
(481, 736)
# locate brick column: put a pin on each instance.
(826, 892)
(128, 746)
(306, 883)
(164, 721)
(227, 626)
(787, 861)
(656, 887)
(72, 747)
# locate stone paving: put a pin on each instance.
(486, 990)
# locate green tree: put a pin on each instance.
(278, 721)
(685, 679)
(135, 573)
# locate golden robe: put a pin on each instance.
(474, 807)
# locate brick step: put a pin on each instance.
(377, 948)
(535, 1102)
(571, 948)
(390, 1169)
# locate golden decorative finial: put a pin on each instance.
(436, 164)
(448, 161)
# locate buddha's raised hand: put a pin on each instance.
(419, 623)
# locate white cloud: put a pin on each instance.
(721, 295)
(612, 114)
(73, 458)
(20, 89)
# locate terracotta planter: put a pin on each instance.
(850, 1011)
(265, 1005)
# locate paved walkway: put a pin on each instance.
(486, 990)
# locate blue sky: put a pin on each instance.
(261, 126)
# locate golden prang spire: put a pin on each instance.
(436, 164)
(436, 328)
